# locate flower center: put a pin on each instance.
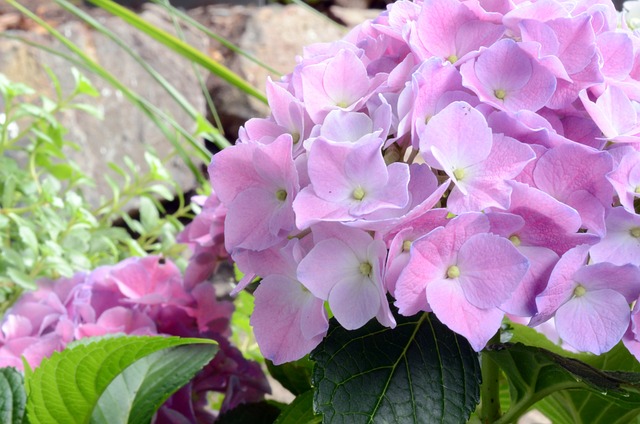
(358, 193)
(500, 94)
(579, 291)
(281, 195)
(365, 269)
(453, 58)
(342, 104)
(453, 272)
(635, 232)
(296, 137)
(515, 240)
(637, 190)
(406, 245)
(458, 173)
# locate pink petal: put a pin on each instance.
(448, 302)
(490, 269)
(594, 322)
(282, 308)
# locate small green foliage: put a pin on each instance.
(47, 228)
(242, 332)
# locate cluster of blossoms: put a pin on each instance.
(139, 296)
(471, 158)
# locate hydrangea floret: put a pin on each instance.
(472, 159)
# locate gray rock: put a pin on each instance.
(274, 34)
(125, 130)
(351, 16)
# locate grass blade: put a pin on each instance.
(180, 47)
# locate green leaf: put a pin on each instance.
(8, 192)
(83, 85)
(28, 237)
(300, 411)
(161, 191)
(149, 215)
(113, 379)
(21, 279)
(294, 376)
(95, 111)
(535, 373)
(187, 51)
(419, 372)
(12, 396)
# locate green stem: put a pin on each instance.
(490, 389)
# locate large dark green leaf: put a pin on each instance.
(419, 372)
(12, 396)
(113, 380)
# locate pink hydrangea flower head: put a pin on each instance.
(205, 236)
(117, 299)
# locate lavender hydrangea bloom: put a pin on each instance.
(141, 296)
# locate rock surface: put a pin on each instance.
(125, 130)
(274, 34)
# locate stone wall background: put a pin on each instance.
(274, 34)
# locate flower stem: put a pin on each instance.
(490, 389)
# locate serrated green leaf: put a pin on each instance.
(419, 372)
(300, 411)
(535, 373)
(113, 379)
(294, 376)
(12, 396)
